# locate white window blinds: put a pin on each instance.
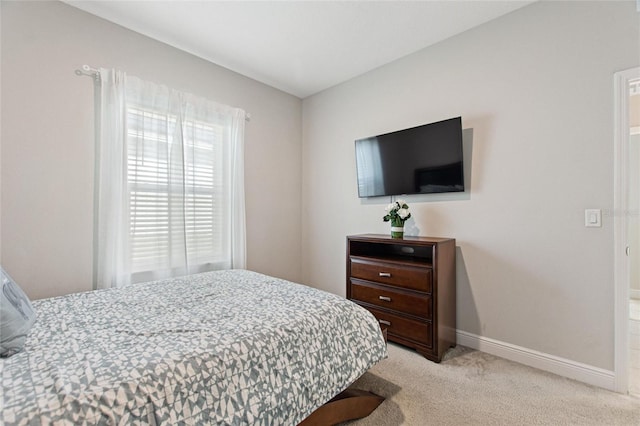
(174, 209)
(183, 197)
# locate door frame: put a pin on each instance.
(620, 227)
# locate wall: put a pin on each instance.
(48, 144)
(535, 91)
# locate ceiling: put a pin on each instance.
(300, 47)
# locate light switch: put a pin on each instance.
(593, 218)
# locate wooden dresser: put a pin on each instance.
(409, 285)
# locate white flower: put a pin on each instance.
(397, 212)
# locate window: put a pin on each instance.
(180, 206)
(173, 208)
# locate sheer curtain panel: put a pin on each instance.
(171, 183)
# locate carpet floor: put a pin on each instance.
(474, 388)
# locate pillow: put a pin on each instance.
(16, 316)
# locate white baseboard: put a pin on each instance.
(563, 367)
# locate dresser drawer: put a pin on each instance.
(407, 302)
(417, 331)
(412, 277)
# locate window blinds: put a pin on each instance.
(170, 183)
(174, 207)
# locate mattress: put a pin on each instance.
(226, 347)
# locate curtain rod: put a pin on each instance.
(88, 71)
(95, 74)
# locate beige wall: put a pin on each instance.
(48, 145)
(536, 88)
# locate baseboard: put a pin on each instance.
(563, 367)
(634, 294)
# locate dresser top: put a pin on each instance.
(406, 239)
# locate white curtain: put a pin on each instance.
(113, 241)
(171, 183)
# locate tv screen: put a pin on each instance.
(425, 159)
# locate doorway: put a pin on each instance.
(626, 215)
(634, 236)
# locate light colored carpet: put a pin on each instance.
(474, 388)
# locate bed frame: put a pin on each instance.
(350, 404)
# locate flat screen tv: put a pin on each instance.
(425, 159)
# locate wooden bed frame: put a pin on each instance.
(350, 404)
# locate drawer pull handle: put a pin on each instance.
(385, 274)
(383, 322)
(385, 298)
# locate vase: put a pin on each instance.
(397, 230)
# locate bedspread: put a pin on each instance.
(226, 347)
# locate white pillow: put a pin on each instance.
(16, 316)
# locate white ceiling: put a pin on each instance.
(300, 47)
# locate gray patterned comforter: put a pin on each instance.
(226, 347)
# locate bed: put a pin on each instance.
(226, 347)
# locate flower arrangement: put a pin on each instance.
(397, 213)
